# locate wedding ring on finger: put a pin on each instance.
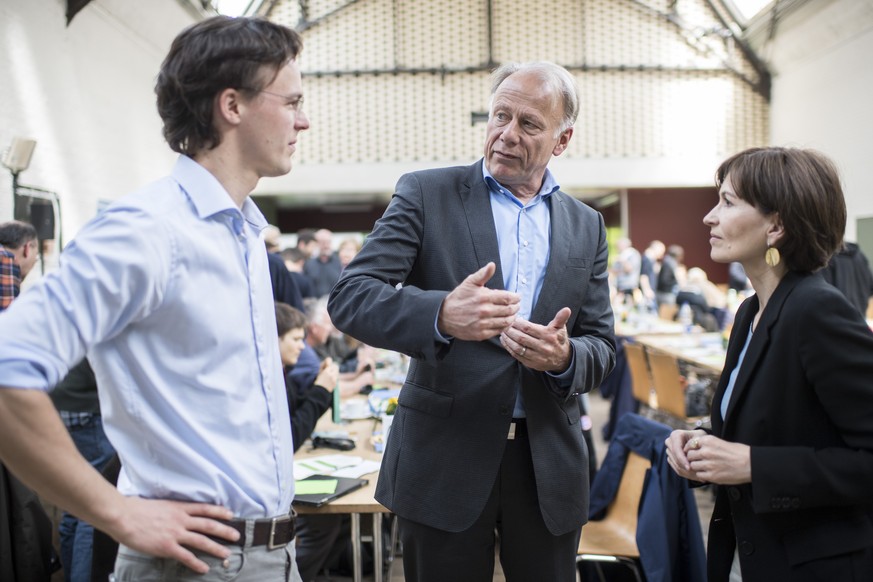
(695, 443)
(522, 352)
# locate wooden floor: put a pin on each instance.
(599, 414)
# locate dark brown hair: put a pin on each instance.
(288, 318)
(216, 54)
(803, 186)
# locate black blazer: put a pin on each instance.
(448, 435)
(803, 401)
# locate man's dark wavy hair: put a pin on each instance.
(208, 57)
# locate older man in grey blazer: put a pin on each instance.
(495, 283)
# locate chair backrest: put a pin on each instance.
(668, 383)
(616, 534)
(668, 311)
(641, 379)
(625, 508)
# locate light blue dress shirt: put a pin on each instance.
(732, 379)
(523, 234)
(168, 292)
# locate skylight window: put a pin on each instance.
(232, 7)
(749, 8)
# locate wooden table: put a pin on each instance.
(649, 324)
(358, 502)
(704, 350)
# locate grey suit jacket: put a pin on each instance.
(448, 436)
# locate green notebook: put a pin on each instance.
(313, 494)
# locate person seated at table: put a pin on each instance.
(706, 300)
(306, 404)
(355, 360)
(323, 541)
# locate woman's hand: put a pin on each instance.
(677, 444)
(698, 456)
(715, 460)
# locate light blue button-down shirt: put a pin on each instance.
(168, 292)
(523, 233)
(732, 379)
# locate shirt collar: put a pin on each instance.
(208, 195)
(549, 187)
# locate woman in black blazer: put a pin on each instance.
(791, 446)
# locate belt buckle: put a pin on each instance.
(271, 545)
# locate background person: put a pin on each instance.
(849, 271)
(650, 264)
(323, 269)
(671, 275)
(792, 443)
(347, 250)
(168, 293)
(26, 550)
(18, 255)
(494, 282)
(294, 261)
(76, 399)
(625, 269)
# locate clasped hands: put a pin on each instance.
(699, 456)
(474, 312)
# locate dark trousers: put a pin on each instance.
(317, 541)
(528, 551)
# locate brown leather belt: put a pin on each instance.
(275, 532)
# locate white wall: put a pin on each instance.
(823, 90)
(86, 94)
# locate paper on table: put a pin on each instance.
(315, 486)
(358, 470)
(324, 465)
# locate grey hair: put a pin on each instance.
(558, 79)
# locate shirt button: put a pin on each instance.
(524, 280)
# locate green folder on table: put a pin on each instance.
(316, 490)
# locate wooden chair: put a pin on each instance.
(670, 388)
(614, 538)
(641, 378)
(668, 311)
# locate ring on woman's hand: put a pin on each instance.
(695, 444)
(522, 352)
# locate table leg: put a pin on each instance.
(377, 547)
(356, 547)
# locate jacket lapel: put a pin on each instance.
(760, 341)
(480, 220)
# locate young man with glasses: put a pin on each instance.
(168, 294)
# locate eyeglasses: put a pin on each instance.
(295, 102)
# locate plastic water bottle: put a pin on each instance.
(686, 318)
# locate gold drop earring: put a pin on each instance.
(772, 256)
